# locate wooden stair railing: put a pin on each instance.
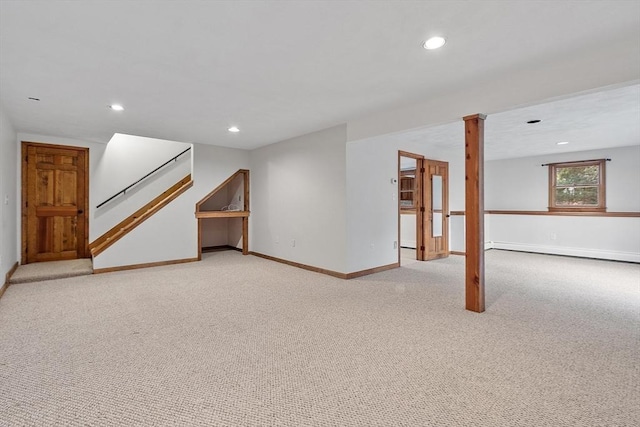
(125, 226)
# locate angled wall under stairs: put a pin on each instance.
(128, 224)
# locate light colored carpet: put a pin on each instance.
(242, 341)
(40, 271)
(407, 256)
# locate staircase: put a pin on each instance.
(125, 226)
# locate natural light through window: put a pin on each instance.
(577, 186)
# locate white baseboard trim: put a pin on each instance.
(577, 252)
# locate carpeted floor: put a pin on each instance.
(242, 341)
(39, 271)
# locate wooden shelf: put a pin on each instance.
(222, 214)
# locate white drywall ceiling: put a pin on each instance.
(608, 118)
(187, 70)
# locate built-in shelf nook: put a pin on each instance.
(223, 215)
(408, 189)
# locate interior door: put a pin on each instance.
(436, 203)
(55, 201)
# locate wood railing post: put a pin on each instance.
(474, 211)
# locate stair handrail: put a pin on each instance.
(124, 190)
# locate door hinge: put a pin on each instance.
(422, 170)
(422, 248)
(421, 208)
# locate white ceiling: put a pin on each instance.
(187, 70)
(607, 118)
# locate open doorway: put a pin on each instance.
(423, 208)
(410, 210)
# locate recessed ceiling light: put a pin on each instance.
(534, 121)
(116, 107)
(434, 43)
(562, 142)
(234, 129)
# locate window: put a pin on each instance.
(577, 186)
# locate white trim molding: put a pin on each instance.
(559, 250)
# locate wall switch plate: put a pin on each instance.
(395, 244)
(6, 199)
(293, 243)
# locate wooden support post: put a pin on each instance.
(474, 211)
(247, 208)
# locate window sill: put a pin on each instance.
(581, 209)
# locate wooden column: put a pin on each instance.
(246, 208)
(474, 211)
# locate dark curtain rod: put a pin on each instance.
(579, 161)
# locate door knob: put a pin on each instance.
(80, 211)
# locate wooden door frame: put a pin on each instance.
(24, 193)
(419, 203)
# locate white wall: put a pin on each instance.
(372, 204)
(372, 215)
(172, 233)
(126, 159)
(522, 184)
(298, 192)
(9, 190)
(408, 226)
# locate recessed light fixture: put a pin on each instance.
(562, 142)
(534, 121)
(434, 43)
(116, 107)
(234, 129)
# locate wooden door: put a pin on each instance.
(436, 204)
(55, 202)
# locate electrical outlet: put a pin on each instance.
(553, 236)
(395, 244)
(239, 198)
(6, 199)
(293, 243)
